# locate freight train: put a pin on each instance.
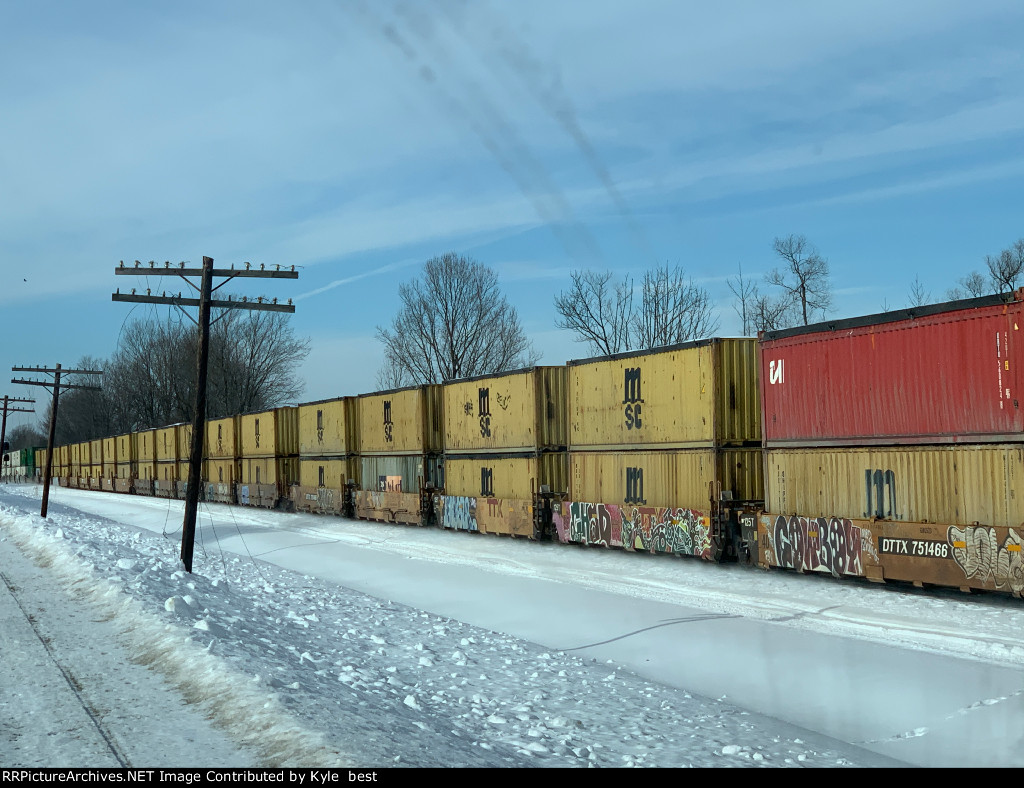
(888, 447)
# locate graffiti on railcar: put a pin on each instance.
(659, 530)
(652, 529)
(592, 524)
(977, 552)
(457, 512)
(816, 544)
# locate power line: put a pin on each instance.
(205, 302)
(55, 386)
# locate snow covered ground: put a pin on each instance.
(320, 641)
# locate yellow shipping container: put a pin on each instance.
(331, 473)
(521, 410)
(222, 471)
(322, 484)
(222, 438)
(955, 485)
(403, 421)
(269, 433)
(183, 440)
(270, 471)
(676, 479)
(96, 459)
(505, 477)
(109, 457)
(701, 394)
(328, 428)
(166, 444)
(124, 448)
(146, 446)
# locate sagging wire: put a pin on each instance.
(246, 546)
(220, 547)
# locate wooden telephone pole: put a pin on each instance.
(205, 303)
(55, 386)
(3, 428)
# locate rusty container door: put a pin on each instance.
(287, 432)
(700, 394)
(941, 374)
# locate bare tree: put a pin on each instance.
(597, 311)
(804, 276)
(918, 296)
(672, 309)
(454, 322)
(392, 375)
(771, 314)
(26, 436)
(603, 314)
(150, 380)
(253, 360)
(746, 293)
(1005, 268)
(971, 286)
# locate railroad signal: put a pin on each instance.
(55, 386)
(205, 303)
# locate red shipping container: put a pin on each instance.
(946, 373)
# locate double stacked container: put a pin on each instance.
(504, 445)
(166, 480)
(109, 463)
(269, 456)
(222, 465)
(96, 464)
(663, 446)
(126, 466)
(894, 446)
(146, 452)
(327, 455)
(400, 443)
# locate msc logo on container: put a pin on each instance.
(389, 425)
(635, 486)
(484, 411)
(631, 398)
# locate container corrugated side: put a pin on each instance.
(222, 438)
(258, 434)
(949, 374)
(287, 426)
(166, 440)
(686, 396)
(680, 478)
(519, 410)
(505, 477)
(956, 485)
(327, 428)
(401, 421)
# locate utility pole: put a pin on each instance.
(3, 428)
(205, 303)
(55, 386)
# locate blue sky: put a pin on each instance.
(355, 140)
